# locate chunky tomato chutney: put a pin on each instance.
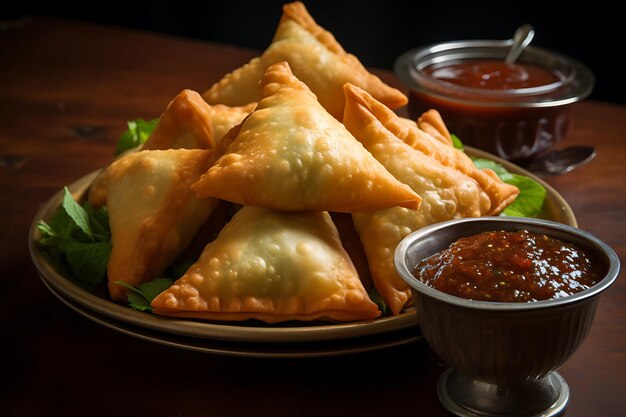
(508, 267)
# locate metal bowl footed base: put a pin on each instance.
(464, 396)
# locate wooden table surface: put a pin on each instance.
(66, 91)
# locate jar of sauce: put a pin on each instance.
(501, 266)
(491, 74)
(512, 111)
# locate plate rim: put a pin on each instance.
(246, 349)
(235, 332)
(189, 327)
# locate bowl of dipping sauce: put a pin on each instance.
(514, 111)
(505, 302)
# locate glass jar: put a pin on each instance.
(513, 123)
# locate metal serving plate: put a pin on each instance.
(214, 336)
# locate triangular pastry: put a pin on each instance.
(432, 123)
(290, 154)
(185, 123)
(153, 213)
(271, 266)
(447, 192)
(315, 57)
(223, 118)
(499, 193)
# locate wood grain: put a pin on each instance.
(66, 91)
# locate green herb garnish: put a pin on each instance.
(530, 200)
(532, 195)
(456, 142)
(140, 297)
(138, 132)
(378, 300)
(80, 236)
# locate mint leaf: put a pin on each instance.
(49, 240)
(137, 133)
(61, 224)
(530, 200)
(45, 228)
(76, 213)
(80, 237)
(87, 261)
(139, 302)
(140, 297)
(136, 300)
(155, 287)
(99, 222)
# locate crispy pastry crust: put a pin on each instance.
(271, 266)
(185, 123)
(290, 154)
(500, 194)
(223, 118)
(153, 213)
(315, 58)
(449, 188)
(432, 123)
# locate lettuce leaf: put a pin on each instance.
(530, 200)
(532, 195)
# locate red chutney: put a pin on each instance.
(491, 74)
(508, 267)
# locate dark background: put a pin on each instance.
(377, 32)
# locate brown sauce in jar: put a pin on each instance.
(492, 74)
(508, 267)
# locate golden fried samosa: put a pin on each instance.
(315, 57)
(272, 266)
(447, 192)
(499, 193)
(223, 118)
(185, 123)
(153, 213)
(290, 154)
(432, 123)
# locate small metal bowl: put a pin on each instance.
(514, 124)
(503, 356)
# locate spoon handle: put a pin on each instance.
(561, 161)
(522, 37)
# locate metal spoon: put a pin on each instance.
(561, 161)
(522, 37)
